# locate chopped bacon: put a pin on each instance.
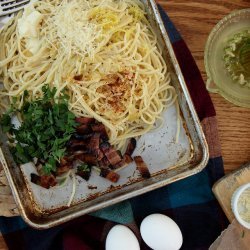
(127, 158)
(82, 136)
(64, 161)
(104, 162)
(89, 144)
(142, 167)
(112, 176)
(109, 174)
(63, 169)
(105, 146)
(78, 152)
(131, 146)
(124, 162)
(94, 144)
(100, 128)
(120, 164)
(77, 144)
(78, 77)
(48, 181)
(83, 129)
(112, 155)
(85, 120)
(99, 154)
(45, 181)
(87, 158)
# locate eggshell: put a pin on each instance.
(161, 233)
(121, 238)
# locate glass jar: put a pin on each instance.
(219, 80)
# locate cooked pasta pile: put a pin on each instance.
(103, 52)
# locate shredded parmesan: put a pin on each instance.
(70, 21)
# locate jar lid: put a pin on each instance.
(240, 204)
(220, 80)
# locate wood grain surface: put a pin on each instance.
(195, 20)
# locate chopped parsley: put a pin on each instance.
(237, 58)
(84, 170)
(47, 124)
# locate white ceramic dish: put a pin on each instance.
(235, 201)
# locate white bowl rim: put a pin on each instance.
(234, 203)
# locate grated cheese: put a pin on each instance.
(73, 29)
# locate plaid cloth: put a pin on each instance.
(189, 202)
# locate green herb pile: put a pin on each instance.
(84, 170)
(47, 125)
(237, 58)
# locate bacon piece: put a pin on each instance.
(131, 147)
(109, 174)
(63, 169)
(124, 162)
(48, 181)
(127, 156)
(142, 167)
(64, 161)
(104, 162)
(83, 129)
(94, 141)
(45, 181)
(100, 128)
(82, 136)
(99, 154)
(78, 77)
(120, 164)
(112, 155)
(76, 153)
(85, 120)
(74, 144)
(128, 159)
(94, 146)
(90, 159)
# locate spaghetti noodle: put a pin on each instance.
(103, 52)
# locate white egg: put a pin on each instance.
(161, 233)
(121, 238)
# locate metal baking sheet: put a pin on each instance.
(167, 160)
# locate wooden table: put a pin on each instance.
(194, 20)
